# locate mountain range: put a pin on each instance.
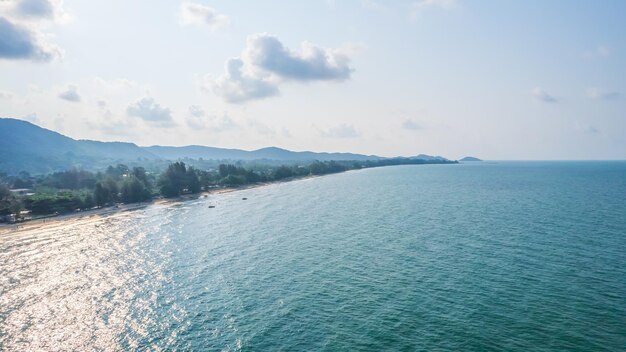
(27, 147)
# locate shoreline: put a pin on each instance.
(60, 220)
(119, 209)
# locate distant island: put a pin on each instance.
(470, 158)
(44, 173)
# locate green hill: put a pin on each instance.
(27, 147)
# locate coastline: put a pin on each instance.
(93, 215)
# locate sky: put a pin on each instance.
(500, 80)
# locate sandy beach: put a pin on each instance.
(95, 215)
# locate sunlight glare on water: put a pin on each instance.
(492, 256)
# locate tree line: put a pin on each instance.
(76, 189)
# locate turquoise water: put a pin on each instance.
(504, 256)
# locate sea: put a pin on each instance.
(480, 256)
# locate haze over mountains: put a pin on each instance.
(27, 147)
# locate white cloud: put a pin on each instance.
(237, 85)
(198, 119)
(285, 133)
(70, 94)
(39, 10)
(261, 128)
(6, 95)
(601, 94)
(103, 107)
(110, 124)
(341, 131)
(150, 111)
(198, 14)
(116, 127)
(21, 29)
(33, 118)
(18, 42)
(195, 118)
(221, 123)
(312, 63)
(266, 62)
(196, 111)
(541, 95)
(34, 8)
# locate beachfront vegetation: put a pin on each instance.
(9, 203)
(179, 179)
(76, 189)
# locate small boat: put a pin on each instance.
(244, 198)
(211, 206)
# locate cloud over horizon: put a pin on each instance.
(341, 131)
(266, 62)
(150, 111)
(198, 119)
(70, 94)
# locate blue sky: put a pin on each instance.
(494, 79)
